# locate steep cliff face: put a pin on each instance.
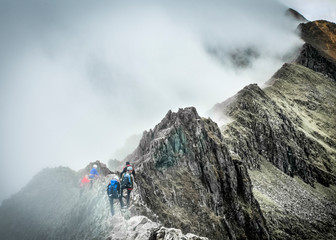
(319, 52)
(289, 125)
(311, 58)
(263, 129)
(321, 35)
(285, 133)
(187, 177)
(309, 100)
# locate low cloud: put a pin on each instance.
(79, 78)
(314, 9)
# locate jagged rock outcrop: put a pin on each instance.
(321, 35)
(296, 15)
(263, 130)
(140, 228)
(319, 52)
(172, 233)
(312, 58)
(188, 179)
(101, 168)
(290, 124)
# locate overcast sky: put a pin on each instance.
(77, 78)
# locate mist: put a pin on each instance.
(78, 79)
(314, 9)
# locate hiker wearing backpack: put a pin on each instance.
(93, 174)
(127, 182)
(125, 170)
(113, 192)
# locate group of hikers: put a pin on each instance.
(89, 178)
(116, 187)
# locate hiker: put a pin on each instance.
(83, 184)
(93, 174)
(127, 182)
(113, 192)
(125, 169)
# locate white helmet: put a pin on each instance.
(129, 168)
(116, 177)
(94, 165)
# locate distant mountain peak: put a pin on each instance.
(319, 51)
(321, 35)
(296, 15)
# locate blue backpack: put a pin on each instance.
(113, 188)
(126, 181)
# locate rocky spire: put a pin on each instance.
(187, 177)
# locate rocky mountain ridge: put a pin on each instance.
(190, 181)
(268, 172)
(288, 127)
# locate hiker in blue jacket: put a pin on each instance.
(93, 174)
(113, 192)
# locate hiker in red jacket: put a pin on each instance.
(83, 184)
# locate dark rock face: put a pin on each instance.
(311, 58)
(319, 52)
(321, 35)
(189, 180)
(262, 130)
(288, 126)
